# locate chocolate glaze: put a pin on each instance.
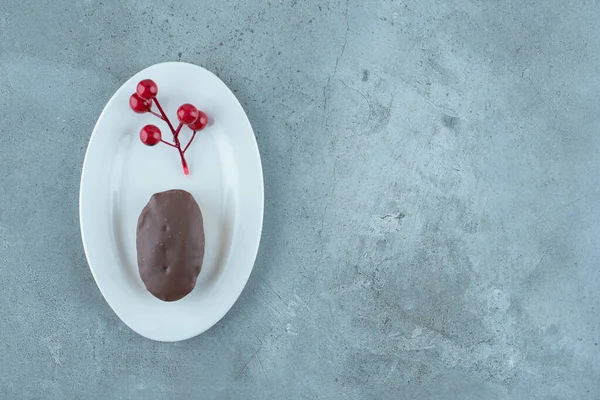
(170, 244)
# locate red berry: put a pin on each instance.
(200, 123)
(187, 114)
(138, 104)
(150, 135)
(147, 89)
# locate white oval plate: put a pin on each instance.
(120, 174)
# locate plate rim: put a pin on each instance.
(260, 176)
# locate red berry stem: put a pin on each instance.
(157, 115)
(190, 142)
(164, 116)
(175, 133)
(169, 144)
(178, 146)
(178, 129)
(186, 170)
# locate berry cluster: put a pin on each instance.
(187, 114)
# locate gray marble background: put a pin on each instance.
(432, 205)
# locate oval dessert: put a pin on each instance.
(170, 244)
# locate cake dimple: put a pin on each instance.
(170, 244)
